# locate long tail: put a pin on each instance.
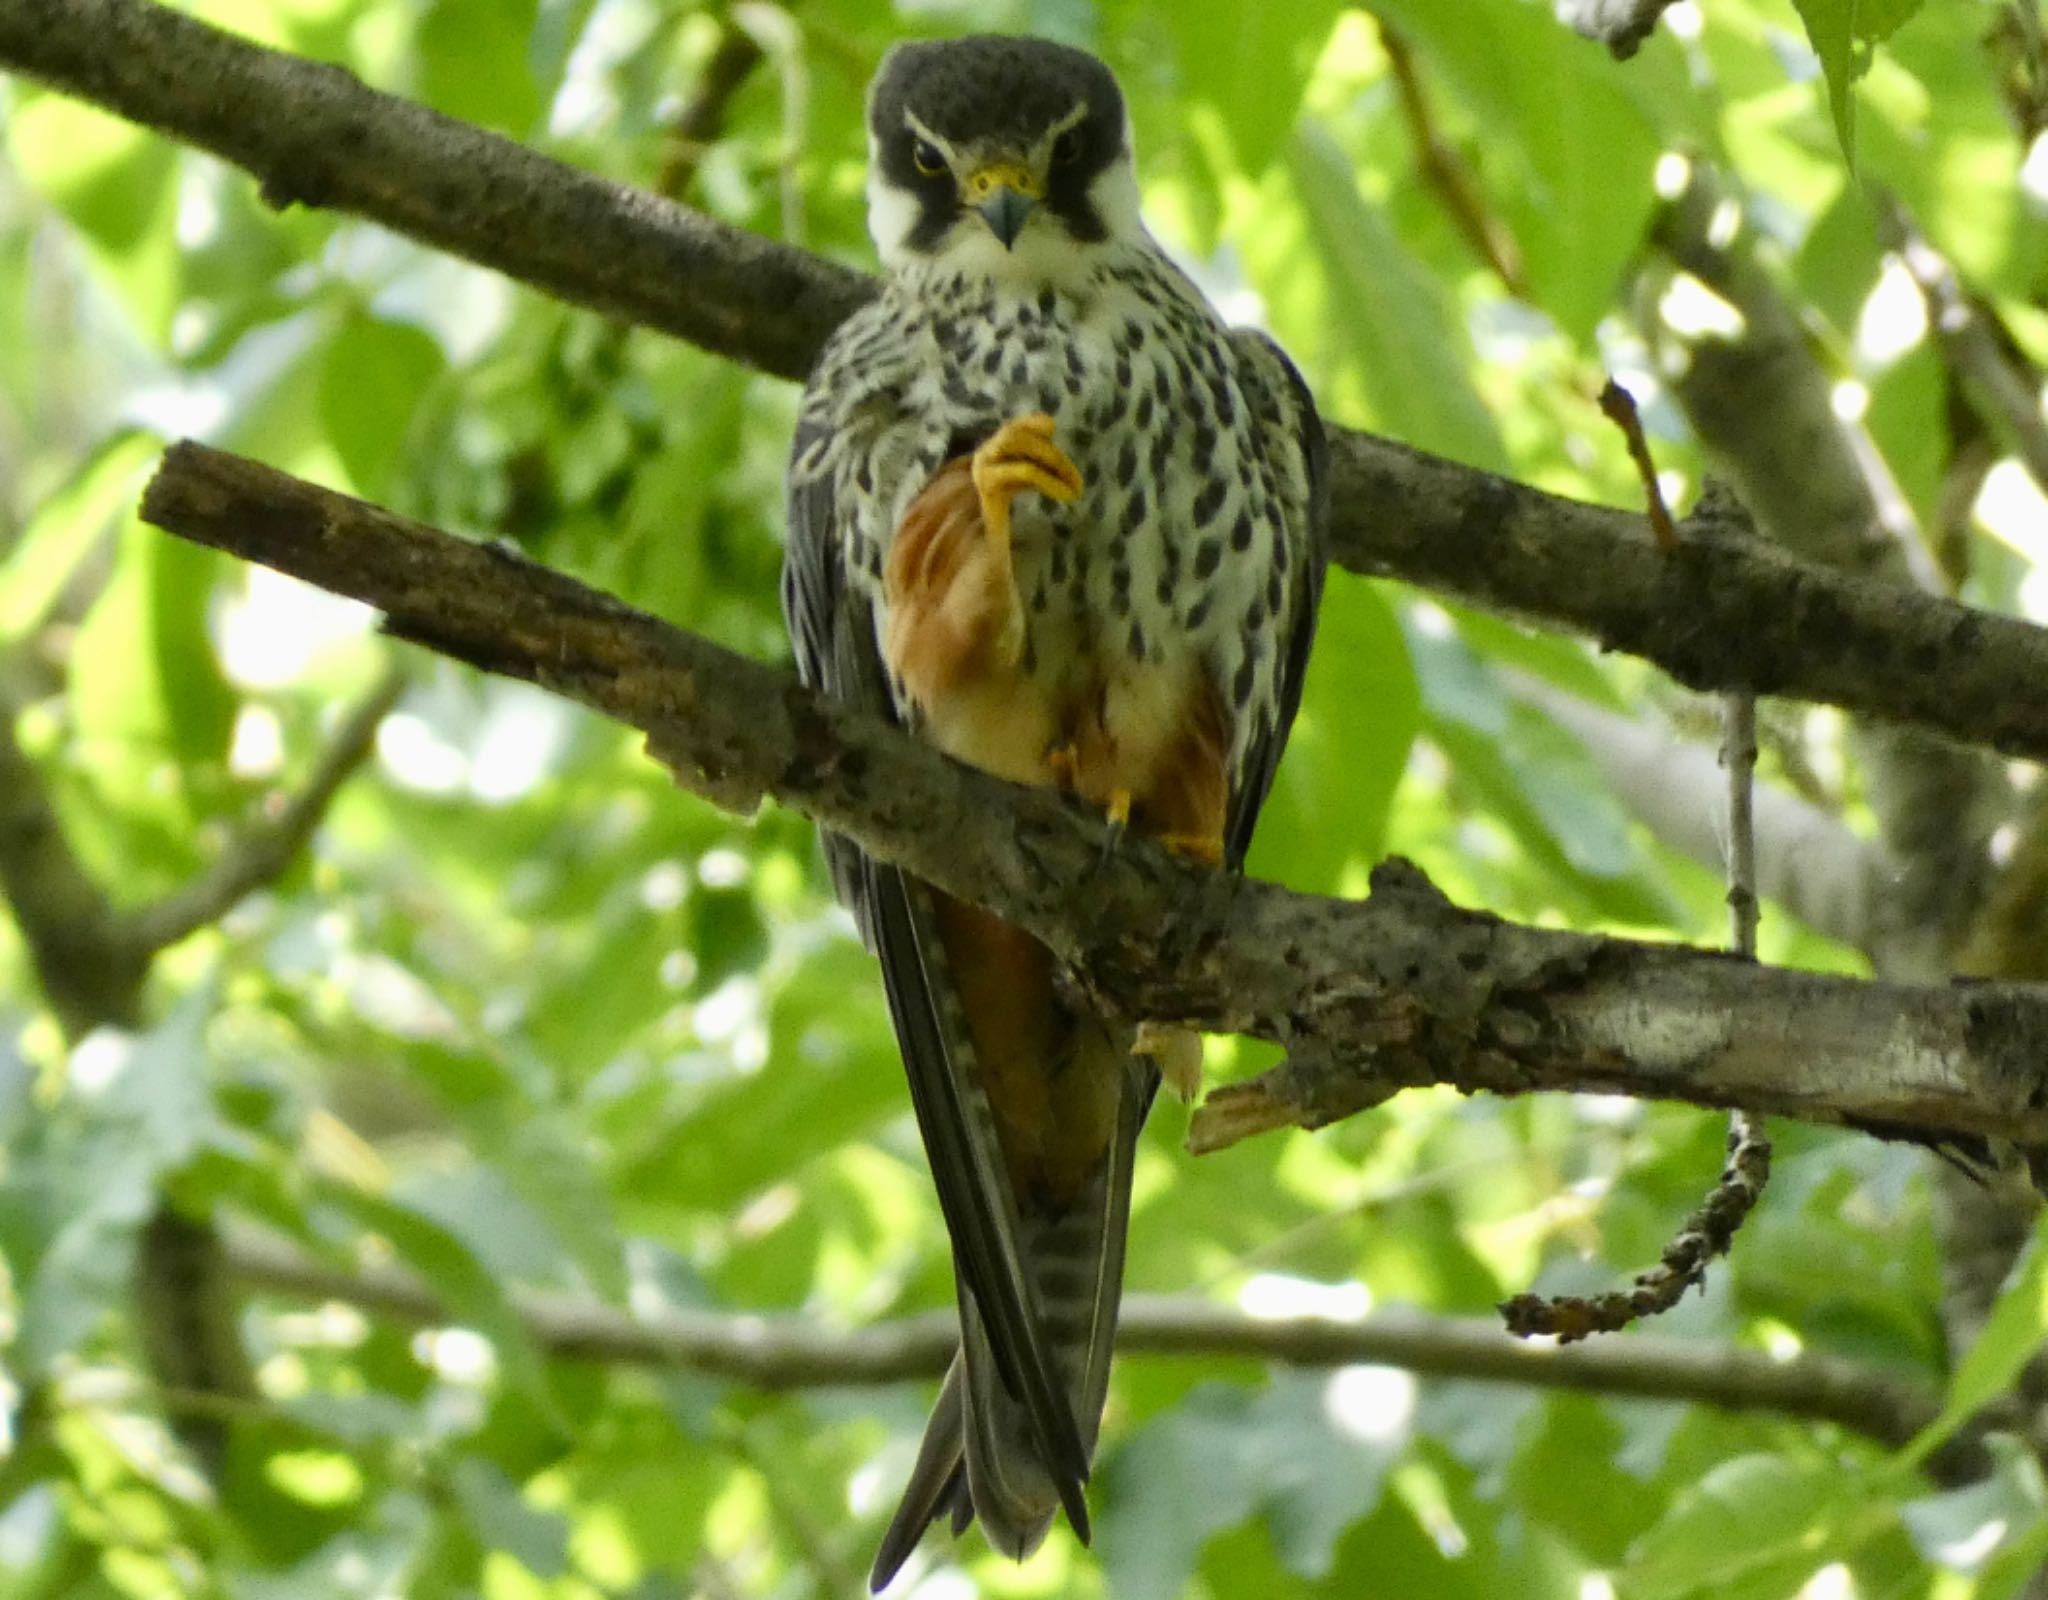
(981, 1455)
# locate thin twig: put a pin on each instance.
(1738, 760)
(701, 122)
(1618, 406)
(1445, 171)
(269, 844)
(1708, 1232)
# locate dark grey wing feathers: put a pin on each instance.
(833, 633)
(960, 1143)
(1285, 406)
(826, 635)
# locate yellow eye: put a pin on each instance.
(925, 155)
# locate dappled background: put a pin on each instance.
(519, 1018)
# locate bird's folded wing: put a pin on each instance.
(834, 633)
(960, 1142)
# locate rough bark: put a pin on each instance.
(1371, 997)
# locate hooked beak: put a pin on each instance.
(1005, 193)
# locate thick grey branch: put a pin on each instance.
(1372, 997)
(1726, 614)
(773, 1352)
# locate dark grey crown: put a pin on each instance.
(996, 90)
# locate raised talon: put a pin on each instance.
(1020, 455)
(1118, 811)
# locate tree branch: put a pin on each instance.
(88, 973)
(701, 122)
(771, 1352)
(1808, 861)
(92, 973)
(1445, 171)
(266, 849)
(1762, 406)
(1371, 997)
(314, 135)
(1978, 351)
(1727, 614)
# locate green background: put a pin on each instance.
(524, 1017)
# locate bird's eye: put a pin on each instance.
(925, 156)
(1066, 149)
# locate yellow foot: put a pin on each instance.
(1020, 455)
(1063, 764)
(1118, 811)
(1202, 847)
(1178, 1054)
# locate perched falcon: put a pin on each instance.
(1049, 513)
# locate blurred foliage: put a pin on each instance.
(525, 1016)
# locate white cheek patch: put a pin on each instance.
(1114, 194)
(892, 213)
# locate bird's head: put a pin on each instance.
(1004, 156)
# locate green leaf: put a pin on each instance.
(1251, 63)
(725, 934)
(2010, 1574)
(72, 1243)
(1407, 350)
(551, 1169)
(66, 529)
(474, 1293)
(1950, 1528)
(1744, 1517)
(1844, 33)
(1360, 711)
(2013, 1335)
(1570, 152)
(370, 388)
(117, 183)
(1226, 1454)
(145, 680)
(474, 62)
(502, 1519)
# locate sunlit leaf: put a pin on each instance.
(1410, 356)
(65, 531)
(2013, 1335)
(1844, 32)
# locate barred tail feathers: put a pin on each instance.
(1060, 1099)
